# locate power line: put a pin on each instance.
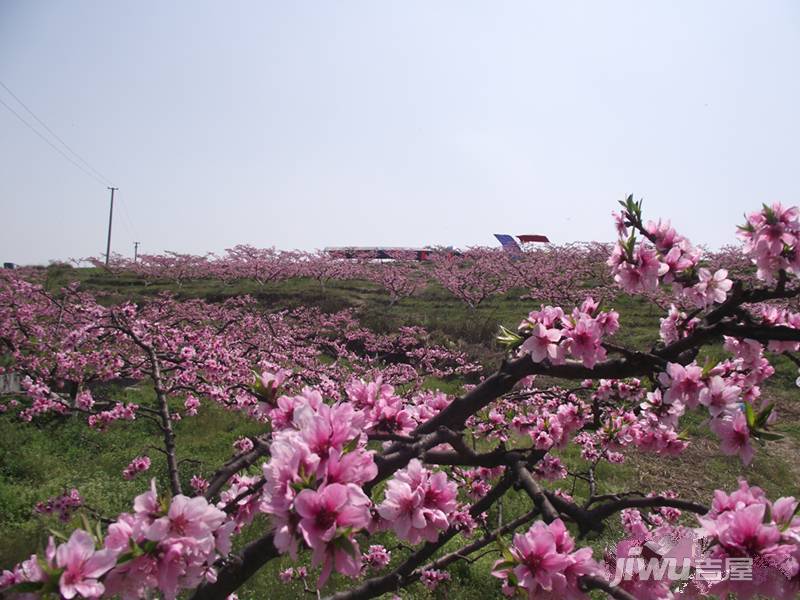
(85, 167)
(55, 135)
(51, 144)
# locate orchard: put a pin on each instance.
(393, 463)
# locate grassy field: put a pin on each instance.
(39, 461)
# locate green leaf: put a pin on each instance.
(751, 416)
(761, 419)
(508, 338)
(707, 368)
(505, 552)
(25, 587)
(57, 534)
(504, 564)
(769, 214)
(350, 446)
(766, 435)
(346, 544)
(86, 525)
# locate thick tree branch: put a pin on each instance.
(532, 487)
(239, 569)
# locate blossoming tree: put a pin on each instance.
(346, 454)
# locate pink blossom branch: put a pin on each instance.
(236, 464)
(404, 573)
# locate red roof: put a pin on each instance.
(532, 238)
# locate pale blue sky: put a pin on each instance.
(306, 124)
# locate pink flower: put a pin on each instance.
(324, 512)
(542, 344)
(377, 556)
(292, 463)
(768, 234)
(737, 500)
(269, 381)
(677, 261)
(132, 578)
(784, 511)
(356, 466)
(136, 466)
(640, 274)
(389, 414)
(120, 533)
(711, 288)
(328, 518)
(64, 505)
(243, 445)
(431, 578)
(282, 416)
(584, 342)
(734, 436)
(328, 426)
(364, 395)
(619, 224)
(187, 517)
(191, 405)
(745, 530)
(544, 562)
(550, 468)
(199, 484)
(146, 505)
(82, 566)
(719, 397)
(685, 383)
(84, 400)
(418, 502)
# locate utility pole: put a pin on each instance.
(110, 218)
(135, 251)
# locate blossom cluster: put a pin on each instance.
(290, 573)
(771, 238)
(728, 391)
(418, 503)
(138, 465)
(376, 557)
(164, 545)
(313, 480)
(676, 325)
(63, 505)
(745, 524)
(431, 578)
(120, 412)
(387, 412)
(543, 563)
(477, 482)
(552, 334)
(662, 256)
